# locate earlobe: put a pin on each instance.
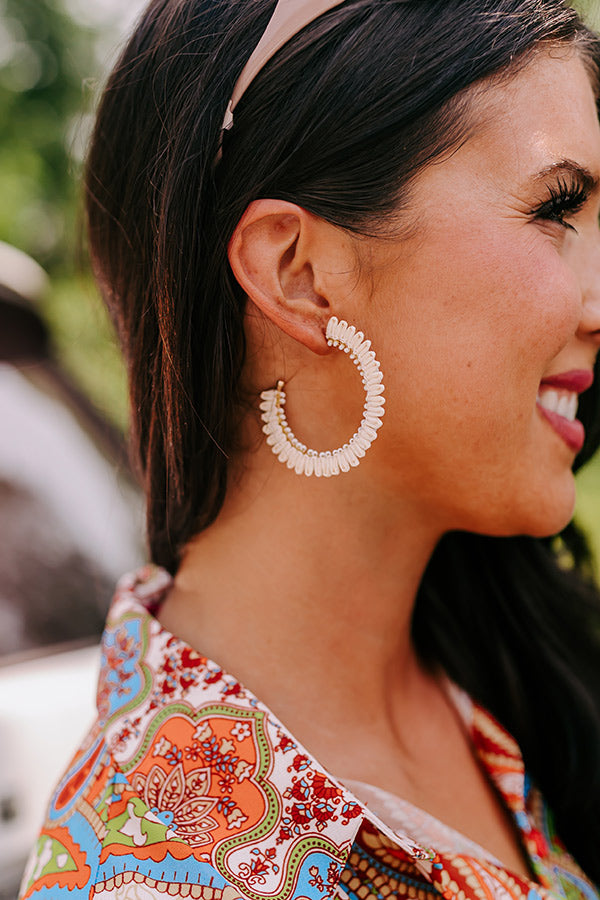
(270, 256)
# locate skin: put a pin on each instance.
(304, 588)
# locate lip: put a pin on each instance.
(572, 433)
(577, 381)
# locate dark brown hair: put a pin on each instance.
(339, 122)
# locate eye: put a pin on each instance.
(566, 198)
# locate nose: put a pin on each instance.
(589, 325)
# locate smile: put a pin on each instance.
(557, 401)
(563, 403)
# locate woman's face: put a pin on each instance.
(487, 318)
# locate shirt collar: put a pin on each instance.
(166, 709)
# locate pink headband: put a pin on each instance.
(290, 17)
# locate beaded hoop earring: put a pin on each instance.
(282, 440)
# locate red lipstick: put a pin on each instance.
(572, 433)
(575, 382)
(578, 380)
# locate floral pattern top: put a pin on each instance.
(188, 786)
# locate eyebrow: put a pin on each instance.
(569, 167)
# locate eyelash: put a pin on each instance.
(565, 200)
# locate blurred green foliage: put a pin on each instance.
(46, 60)
(590, 10)
(587, 513)
(85, 343)
(48, 71)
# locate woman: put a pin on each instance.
(417, 184)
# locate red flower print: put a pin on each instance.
(169, 665)
(285, 744)
(300, 762)
(350, 811)
(168, 687)
(333, 874)
(284, 835)
(300, 814)
(323, 788)
(323, 812)
(190, 659)
(187, 681)
(300, 790)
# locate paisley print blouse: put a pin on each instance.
(188, 786)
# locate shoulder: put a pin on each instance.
(187, 784)
(101, 835)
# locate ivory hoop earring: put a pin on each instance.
(282, 440)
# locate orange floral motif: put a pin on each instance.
(184, 797)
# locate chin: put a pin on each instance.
(549, 515)
(538, 514)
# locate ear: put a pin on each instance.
(281, 256)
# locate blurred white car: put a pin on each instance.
(46, 706)
(70, 524)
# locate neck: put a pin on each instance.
(300, 583)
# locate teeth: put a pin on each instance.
(563, 403)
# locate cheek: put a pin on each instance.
(469, 327)
(547, 309)
(485, 301)
(477, 325)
